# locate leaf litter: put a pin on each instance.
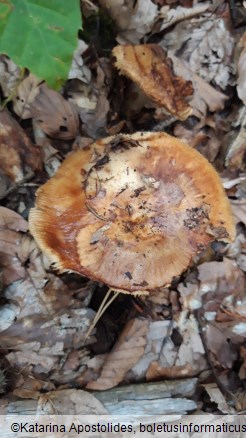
(197, 326)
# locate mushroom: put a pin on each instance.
(131, 211)
(149, 68)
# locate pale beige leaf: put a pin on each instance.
(125, 354)
(26, 92)
(56, 116)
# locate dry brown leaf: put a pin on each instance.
(223, 351)
(201, 137)
(127, 351)
(207, 47)
(205, 97)
(148, 66)
(236, 154)
(239, 210)
(55, 115)
(223, 278)
(11, 257)
(19, 158)
(26, 92)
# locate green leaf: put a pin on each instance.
(41, 35)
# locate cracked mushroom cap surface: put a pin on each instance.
(131, 211)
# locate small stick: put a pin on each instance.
(104, 305)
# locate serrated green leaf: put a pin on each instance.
(40, 35)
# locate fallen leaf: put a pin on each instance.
(222, 278)
(205, 97)
(26, 92)
(201, 137)
(185, 358)
(19, 158)
(92, 102)
(217, 343)
(236, 153)
(148, 66)
(9, 75)
(217, 397)
(11, 257)
(239, 210)
(242, 372)
(136, 18)
(207, 48)
(126, 352)
(171, 15)
(55, 115)
(78, 69)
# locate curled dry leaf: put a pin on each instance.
(26, 93)
(148, 66)
(127, 351)
(55, 115)
(19, 158)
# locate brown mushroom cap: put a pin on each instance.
(148, 67)
(131, 211)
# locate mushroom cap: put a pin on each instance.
(131, 211)
(148, 67)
